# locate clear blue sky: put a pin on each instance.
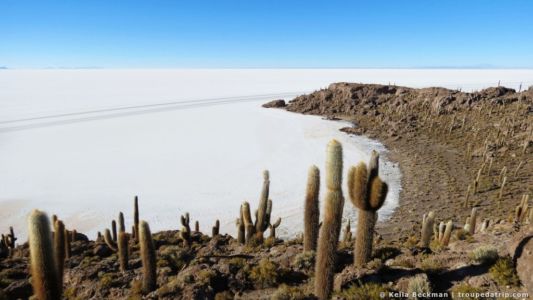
(266, 33)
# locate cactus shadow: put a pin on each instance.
(443, 281)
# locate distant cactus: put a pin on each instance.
(273, 228)
(522, 210)
(109, 240)
(196, 226)
(59, 249)
(185, 232)
(472, 221)
(427, 229)
(136, 218)
(311, 211)
(467, 196)
(248, 224)
(447, 234)
(121, 224)
(114, 230)
(122, 244)
(367, 193)
(68, 247)
(216, 229)
(330, 229)
(240, 231)
(44, 277)
(347, 233)
(148, 258)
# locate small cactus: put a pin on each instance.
(273, 228)
(347, 233)
(114, 230)
(216, 229)
(240, 231)
(109, 240)
(447, 234)
(472, 221)
(121, 224)
(185, 232)
(44, 277)
(311, 211)
(331, 225)
(148, 258)
(427, 229)
(367, 193)
(196, 226)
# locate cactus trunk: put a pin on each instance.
(148, 258)
(311, 211)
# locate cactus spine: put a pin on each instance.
(148, 258)
(44, 274)
(311, 211)
(331, 225)
(427, 229)
(367, 193)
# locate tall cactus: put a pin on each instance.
(311, 210)
(185, 232)
(367, 193)
(123, 256)
(148, 258)
(59, 248)
(68, 247)
(331, 225)
(427, 229)
(216, 229)
(122, 244)
(248, 224)
(136, 218)
(262, 221)
(108, 239)
(45, 280)
(114, 230)
(240, 231)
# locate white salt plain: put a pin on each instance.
(82, 143)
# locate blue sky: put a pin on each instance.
(269, 33)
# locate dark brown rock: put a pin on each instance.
(275, 104)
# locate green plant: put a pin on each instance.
(304, 260)
(503, 272)
(46, 285)
(285, 292)
(367, 291)
(484, 255)
(311, 210)
(431, 264)
(466, 292)
(418, 286)
(367, 193)
(148, 258)
(331, 225)
(265, 273)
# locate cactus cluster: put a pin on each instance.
(7, 243)
(428, 222)
(367, 192)
(249, 231)
(522, 211)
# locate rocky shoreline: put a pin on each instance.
(446, 142)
